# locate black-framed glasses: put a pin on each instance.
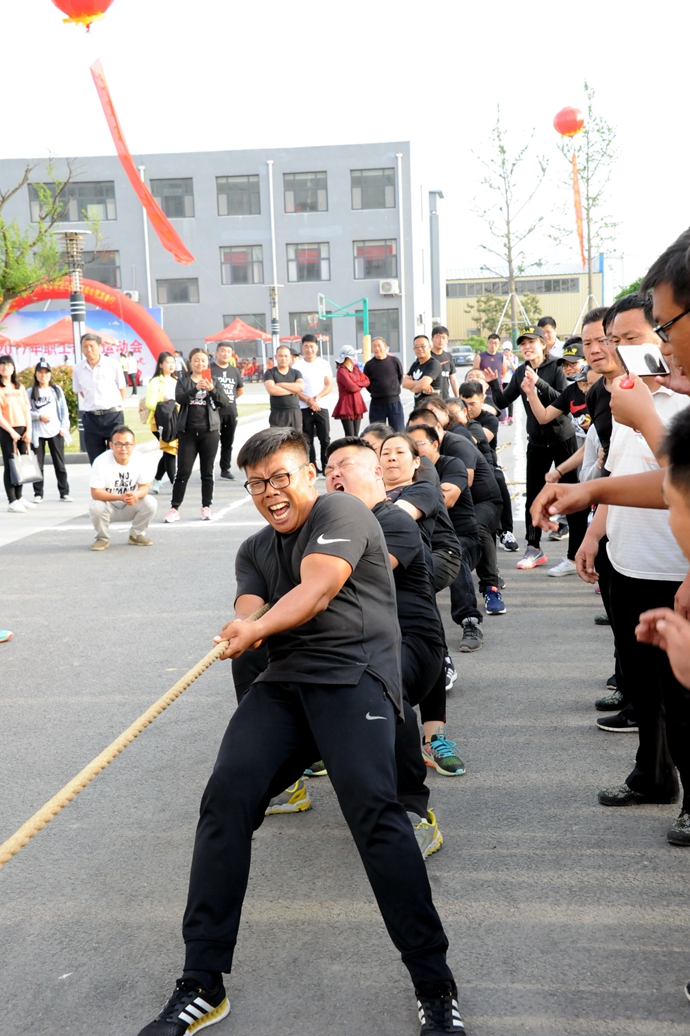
(660, 329)
(257, 486)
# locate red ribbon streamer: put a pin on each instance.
(578, 211)
(167, 234)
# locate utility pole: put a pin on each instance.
(149, 294)
(273, 289)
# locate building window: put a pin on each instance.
(309, 262)
(242, 264)
(175, 197)
(257, 320)
(305, 192)
(82, 201)
(375, 259)
(103, 267)
(373, 188)
(533, 285)
(383, 323)
(238, 195)
(179, 289)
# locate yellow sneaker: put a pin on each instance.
(295, 799)
(427, 833)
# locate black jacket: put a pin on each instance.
(185, 390)
(549, 386)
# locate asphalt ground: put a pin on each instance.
(564, 918)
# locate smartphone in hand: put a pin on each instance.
(643, 360)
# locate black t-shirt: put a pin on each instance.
(290, 402)
(428, 498)
(444, 536)
(230, 380)
(484, 486)
(197, 415)
(358, 632)
(461, 514)
(430, 369)
(486, 448)
(447, 368)
(599, 406)
(385, 377)
(417, 613)
(573, 401)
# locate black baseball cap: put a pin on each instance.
(531, 332)
(42, 365)
(572, 351)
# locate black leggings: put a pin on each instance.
(167, 465)
(193, 444)
(7, 446)
(539, 461)
(350, 426)
(290, 720)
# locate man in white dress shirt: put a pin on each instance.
(100, 384)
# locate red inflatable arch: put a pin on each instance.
(114, 301)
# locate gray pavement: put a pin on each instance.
(564, 918)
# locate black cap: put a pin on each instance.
(531, 332)
(572, 351)
(42, 365)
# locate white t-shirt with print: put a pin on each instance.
(314, 375)
(107, 474)
(46, 405)
(641, 544)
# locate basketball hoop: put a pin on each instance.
(313, 319)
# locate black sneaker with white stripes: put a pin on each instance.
(439, 1012)
(190, 1009)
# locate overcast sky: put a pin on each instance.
(215, 75)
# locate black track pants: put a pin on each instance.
(289, 720)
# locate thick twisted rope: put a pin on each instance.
(70, 791)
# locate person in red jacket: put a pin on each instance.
(351, 380)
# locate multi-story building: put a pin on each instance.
(562, 292)
(350, 221)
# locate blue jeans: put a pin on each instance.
(388, 412)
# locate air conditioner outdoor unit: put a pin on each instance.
(389, 287)
(132, 294)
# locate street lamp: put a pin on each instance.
(73, 249)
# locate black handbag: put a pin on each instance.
(24, 469)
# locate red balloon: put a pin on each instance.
(568, 122)
(83, 12)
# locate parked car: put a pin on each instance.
(463, 355)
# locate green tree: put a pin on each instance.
(596, 152)
(633, 286)
(29, 258)
(507, 215)
(487, 309)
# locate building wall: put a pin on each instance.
(565, 307)
(188, 323)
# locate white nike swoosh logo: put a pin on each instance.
(369, 716)
(323, 541)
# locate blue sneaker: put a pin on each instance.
(493, 601)
(441, 754)
(5, 635)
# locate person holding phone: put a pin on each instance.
(201, 397)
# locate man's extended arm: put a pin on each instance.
(322, 576)
(625, 491)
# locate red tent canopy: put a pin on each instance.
(60, 333)
(238, 331)
(5, 342)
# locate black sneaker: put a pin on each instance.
(472, 635)
(601, 620)
(189, 1010)
(439, 1013)
(450, 672)
(609, 702)
(620, 723)
(227, 474)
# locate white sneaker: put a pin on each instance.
(173, 515)
(17, 507)
(27, 503)
(155, 486)
(206, 515)
(563, 568)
